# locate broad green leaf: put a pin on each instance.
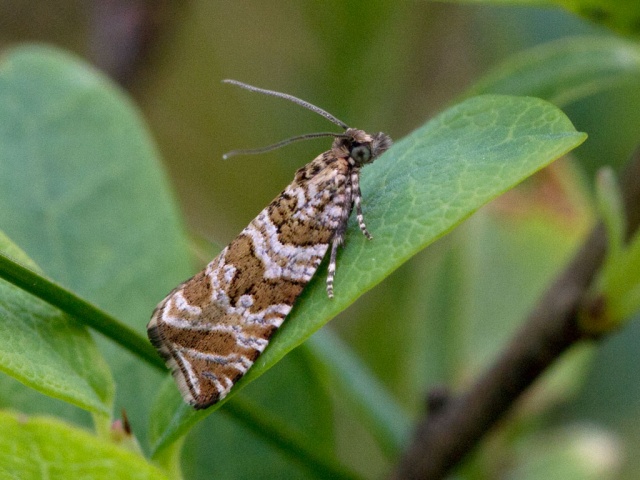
(508, 2)
(48, 351)
(33, 448)
(82, 193)
(565, 70)
(418, 191)
(622, 16)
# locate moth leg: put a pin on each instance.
(336, 241)
(357, 200)
(338, 237)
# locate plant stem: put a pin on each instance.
(80, 309)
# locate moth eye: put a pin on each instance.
(361, 154)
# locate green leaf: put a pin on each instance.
(48, 351)
(79, 164)
(616, 296)
(81, 310)
(11, 250)
(611, 208)
(41, 447)
(622, 16)
(82, 192)
(419, 190)
(565, 70)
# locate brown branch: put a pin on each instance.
(123, 33)
(448, 433)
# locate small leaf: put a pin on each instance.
(33, 448)
(419, 190)
(616, 296)
(622, 16)
(48, 351)
(11, 250)
(611, 210)
(565, 70)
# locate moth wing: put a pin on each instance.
(211, 328)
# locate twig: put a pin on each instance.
(448, 433)
(122, 34)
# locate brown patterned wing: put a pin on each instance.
(212, 328)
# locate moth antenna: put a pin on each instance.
(291, 98)
(268, 148)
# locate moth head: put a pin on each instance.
(380, 143)
(361, 147)
(365, 148)
(361, 153)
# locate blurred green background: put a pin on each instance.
(380, 66)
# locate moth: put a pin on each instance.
(211, 328)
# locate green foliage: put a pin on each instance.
(579, 453)
(40, 447)
(83, 195)
(620, 15)
(40, 286)
(565, 70)
(617, 296)
(51, 352)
